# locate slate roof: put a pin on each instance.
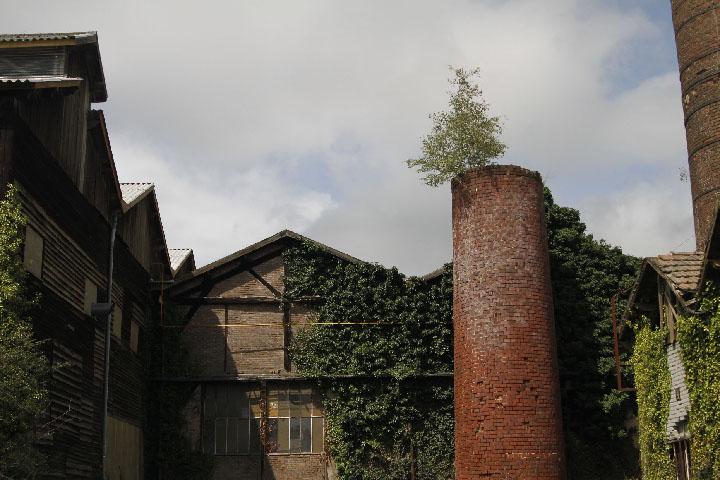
(178, 256)
(132, 193)
(683, 270)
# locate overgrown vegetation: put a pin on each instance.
(585, 274)
(461, 138)
(23, 367)
(652, 379)
(168, 450)
(699, 340)
(406, 333)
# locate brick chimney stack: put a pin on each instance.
(697, 24)
(508, 420)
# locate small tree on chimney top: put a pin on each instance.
(463, 137)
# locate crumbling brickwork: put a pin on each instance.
(696, 25)
(507, 400)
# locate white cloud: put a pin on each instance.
(252, 116)
(225, 212)
(647, 219)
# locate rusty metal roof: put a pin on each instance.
(683, 270)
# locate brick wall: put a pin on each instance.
(696, 25)
(507, 401)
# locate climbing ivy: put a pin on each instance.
(403, 334)
(24, 370)
(699, 340)
(652, 380)
(407, 334)
(585, 274)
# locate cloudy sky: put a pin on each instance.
(255, 116)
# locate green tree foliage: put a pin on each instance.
(404, 333)
(585, 274)
(168, 450)
(699, 340)
(371, 419)
(652, 379)
(23, 367)
(461, 138)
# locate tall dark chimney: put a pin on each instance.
(697, 36)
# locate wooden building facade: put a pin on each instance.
(55, 148)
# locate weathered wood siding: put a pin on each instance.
(137, 232)
(75, 238)
(59, 122)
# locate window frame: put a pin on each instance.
(255, 411)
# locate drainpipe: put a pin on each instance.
(108, 319)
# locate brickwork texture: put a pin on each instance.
(697, 23)
(508, 420)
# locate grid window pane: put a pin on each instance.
(305, 434)
(317, 404)
(283, 435)
(232, 436)
(209, 435)
(295, 434)
(237, 401)
(221, 401)
(254, 435)
(221, 435)
(283, 402)
(306, 402)
(295, 402)
(243, 435)
(317, 435)
(272, 402)
(255, 404)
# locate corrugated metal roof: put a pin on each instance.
(35, 37)
(682, 269)
(134, 192)
(65, 81)
(178, 257)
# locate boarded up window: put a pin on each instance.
(117, 315)
(90, 296)
(134, 335)
(128, 307)
(33, 256)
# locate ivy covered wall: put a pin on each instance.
(390, 411)
(699, 340)
(652, 380)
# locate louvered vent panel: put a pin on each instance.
(32, 62)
